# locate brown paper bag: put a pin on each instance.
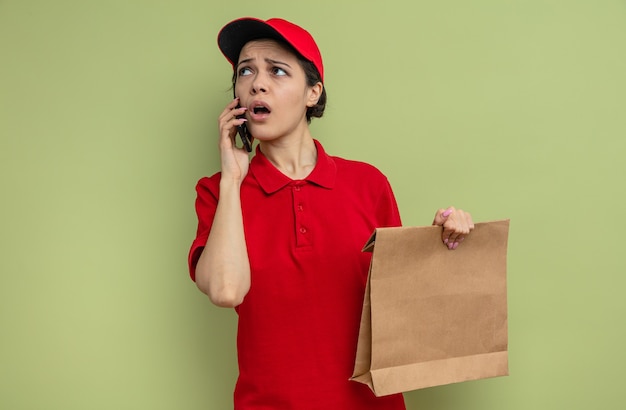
(433, 316)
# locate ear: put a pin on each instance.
(315, 92)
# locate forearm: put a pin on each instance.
(223, 269)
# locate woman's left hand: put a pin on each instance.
(456, 223)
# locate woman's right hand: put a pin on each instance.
(235, 161)
(223, 269)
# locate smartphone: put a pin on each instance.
(242, 130)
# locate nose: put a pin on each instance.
(259, 85)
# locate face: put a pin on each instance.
(272, 85)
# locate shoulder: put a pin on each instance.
(349, 168)
(209, 185)
(358, 170)
(367, 187)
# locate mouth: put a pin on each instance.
(259, 110)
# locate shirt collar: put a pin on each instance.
(271, 179)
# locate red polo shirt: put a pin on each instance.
(299, 323)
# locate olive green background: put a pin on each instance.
(108, 112)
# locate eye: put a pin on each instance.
(278, 71)
(244, 71)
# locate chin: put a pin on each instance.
(263, 135)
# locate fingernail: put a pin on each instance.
(455, 245)
(446, 213)
(445, 241)
(450, 245)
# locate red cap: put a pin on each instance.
(237, 33)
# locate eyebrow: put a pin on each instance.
(267, 60)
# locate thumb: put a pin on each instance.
(441, 216)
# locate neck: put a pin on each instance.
(295, 158)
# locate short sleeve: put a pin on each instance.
(387, 212)
(207, 195)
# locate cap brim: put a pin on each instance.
(237, 33)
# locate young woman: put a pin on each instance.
(279, 237)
